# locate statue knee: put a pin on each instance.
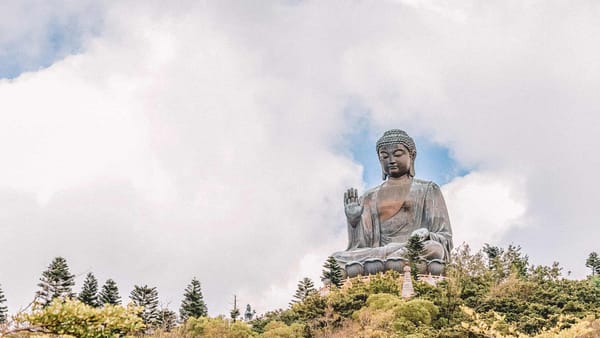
(433, 250)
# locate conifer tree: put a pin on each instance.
(332, 272)
(109, 293)
(593, 262)
(56, 282)
(234, 313)
(249, 313)
(3, 308)
(494, 255)
(89, 291)
(193, 304)
(414, 249)
(305, 288)
(515, 261)
(147, 298)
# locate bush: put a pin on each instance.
(72, 317)
(217, 327)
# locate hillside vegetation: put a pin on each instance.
(491, 293)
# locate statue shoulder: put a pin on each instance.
(369, 193)
(425, 185)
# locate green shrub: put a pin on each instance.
(72, 317)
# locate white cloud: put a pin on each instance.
(483, 207)
(208, 139)
(164, 152)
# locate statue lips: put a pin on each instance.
(393, 169)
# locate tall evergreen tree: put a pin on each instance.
(593, 262)
(414, 252)
(234, 313)
(56, 282)
(3, 308)
(147, 298)
(109, 293)
(305, 288)
(193, 304)
(333, 272)
(249, 313)
(89, 291)
(494, 255)
(515, 261)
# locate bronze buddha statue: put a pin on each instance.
(382, 220)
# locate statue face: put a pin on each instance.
(395, 160)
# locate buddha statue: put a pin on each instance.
(381, 221)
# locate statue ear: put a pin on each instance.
(411, 171)
(383, 175)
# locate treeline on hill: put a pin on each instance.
(93, 312)
(495, 292)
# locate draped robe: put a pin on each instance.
(424, 207)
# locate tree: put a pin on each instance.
(193, 304)
(167, 319)
(515, 261)
(109, 293)
(494, 254)
(56, 282)
(235, 312)
(593, 262)
(89, 291)
(332, 272)
(3, 308)
(414, 249)
(147, 298)
(249, 313)
(305, 288)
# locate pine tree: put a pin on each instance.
(167, 319)
(56, 282)
(109, 293)
(147, 298)
(494, 254)
(414, 249)
(3, 308)
(515, 261)
(249, 313)
(305, 288)
(234, 314)
(193, 302)
(593, 262)
(333, 272)
(89, 291)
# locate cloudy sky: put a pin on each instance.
(151, 141)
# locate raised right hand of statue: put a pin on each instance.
(352, 206)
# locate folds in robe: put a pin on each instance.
(424, 207)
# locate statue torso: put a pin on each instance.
(390, 199)
(399, 209)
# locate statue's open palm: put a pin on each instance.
(352, 206)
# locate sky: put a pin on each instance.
(152, 142)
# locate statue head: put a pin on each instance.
(396, 140)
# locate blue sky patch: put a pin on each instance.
(434, 162)
(60, 38)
